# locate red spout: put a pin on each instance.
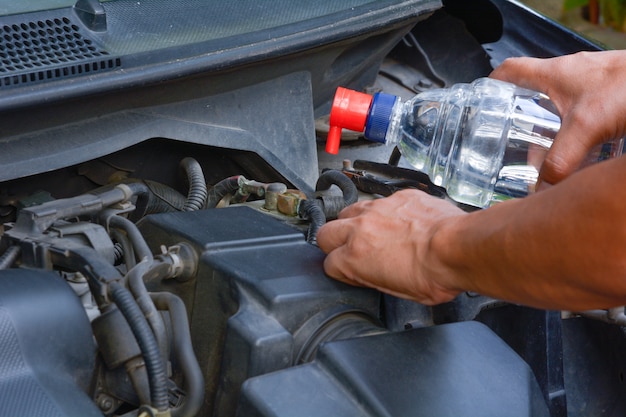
(349, 110)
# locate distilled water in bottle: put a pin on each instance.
(484, 142)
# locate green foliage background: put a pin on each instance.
(573, 4)
(613, 12)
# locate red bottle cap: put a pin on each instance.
(350, 109)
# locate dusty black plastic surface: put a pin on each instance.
(162, 40)
(273, 119)
(536, 335)
(460, 369)
(252, 90)
(262, 302)
(48, 353)
(509, 28)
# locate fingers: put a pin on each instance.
(332, 238)
(332, 235)
(526, 72)
(332, 266)
(565, 156)
(347, 240)
(358, 208)
(576, 136)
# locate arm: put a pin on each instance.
(562, 248)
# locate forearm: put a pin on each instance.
(562, 248)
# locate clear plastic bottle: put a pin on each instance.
(484, 141)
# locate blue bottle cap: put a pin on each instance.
(379, 117)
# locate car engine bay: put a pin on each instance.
(159, 200)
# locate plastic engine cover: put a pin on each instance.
(260, 301)
(47, 348)
(266, 317)
(459, 369)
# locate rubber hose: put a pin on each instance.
(124, 248)
(154, 197)
(137, 287)
(332, 205)
(118, 253)
(142, 250)
(9, 256)
(338, 178)
(147, 343)
(312, 210)
(151, 197)
(197, 194)
(163, 198)
(140, 190)
(183, 351)
(222, 188)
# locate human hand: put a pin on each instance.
(589, 91)
(387, 244)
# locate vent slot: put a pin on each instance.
(48, 49)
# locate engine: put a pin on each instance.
(131, 271)
(191, 296)
(160, 196)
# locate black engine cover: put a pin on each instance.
(47, 348)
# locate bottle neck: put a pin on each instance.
(379, 116)
(392, 137)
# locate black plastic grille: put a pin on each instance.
(48, 49)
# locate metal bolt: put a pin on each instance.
(271, 195)
(105, 402)
(423, 83)
(288, 202)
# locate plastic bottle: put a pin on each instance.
(484, 142)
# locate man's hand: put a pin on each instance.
(589, 91)
(562, 248)
(386, 244)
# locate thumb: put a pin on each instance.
(566, 154)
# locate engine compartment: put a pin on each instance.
(158, 248)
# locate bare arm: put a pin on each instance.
(563, 248)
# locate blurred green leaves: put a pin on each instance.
(609, 13)
(574, 4)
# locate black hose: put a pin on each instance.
(123, 250)
(142, 250)
(104, 285)
(183, 351)
(137, 287)
(333, 204)
(9, 256)
(150, 197)
(163, 198)
(222, 188)
(153, 197)
(118, 253)
(139, 246)
(312, 210)
(155, 368)
(338, 178)
(197, 194)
